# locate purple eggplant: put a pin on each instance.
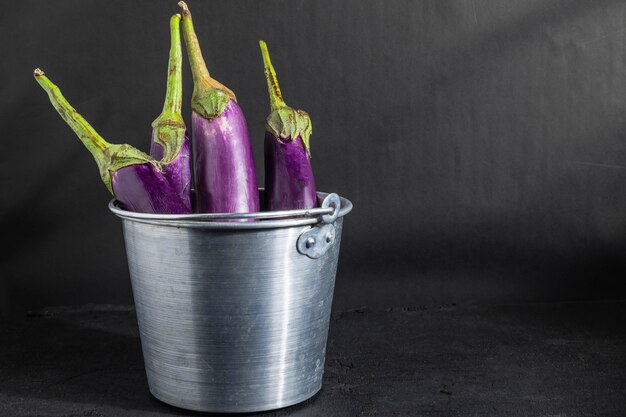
(135, 179)
(169, 144)
(289, 181)
(225, 173)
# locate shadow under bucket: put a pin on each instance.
(233, 316)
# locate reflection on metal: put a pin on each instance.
(232, 318)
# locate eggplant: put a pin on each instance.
(169, 143)
(135, 179)
(225, 172)
(289, 181)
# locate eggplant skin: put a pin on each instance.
(142, 188)
(178, 171)
(225, 172)
(156, 150)
(289, 181)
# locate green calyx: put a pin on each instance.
(284, 122)
(210, 97)
(118, 156)
(210, 103)
(169, 127)
(287, 123)
(169, 132)
(109, 157)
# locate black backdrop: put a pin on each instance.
(483, 143)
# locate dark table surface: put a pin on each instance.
(566, 359)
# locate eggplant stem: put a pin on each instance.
(85, 132)
(184, 7)
(173, 95)
(198, 66)
(283, 121)
(276, 97)
(202, 80)
(169, 127)
(109, 157)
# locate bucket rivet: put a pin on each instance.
(329, 237)
(310, 242)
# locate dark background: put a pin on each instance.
(483, 143)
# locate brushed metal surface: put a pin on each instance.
(230, 320)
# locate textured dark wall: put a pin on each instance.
(483, 143)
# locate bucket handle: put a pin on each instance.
(316, 240)
(330, 209)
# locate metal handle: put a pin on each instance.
(262, 215)
(329, 211)
(331, 200)
(315, 241)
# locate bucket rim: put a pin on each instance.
(264, 219)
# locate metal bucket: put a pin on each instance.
(233, 315)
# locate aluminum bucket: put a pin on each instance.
(233, 316)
